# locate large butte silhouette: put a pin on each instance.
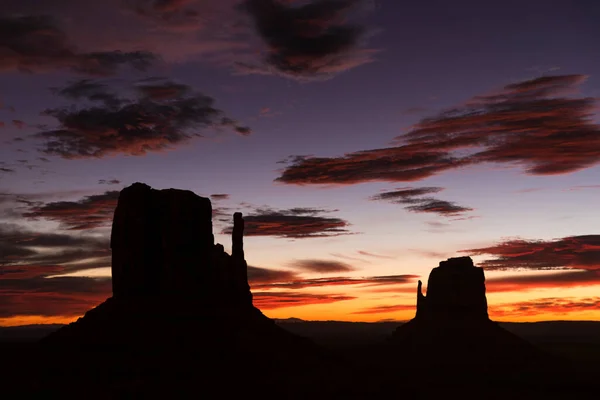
(181, 314)
(452, 326)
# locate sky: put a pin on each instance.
(364, 142)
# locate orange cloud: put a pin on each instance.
(577, 278)
(66, 296)
(272, 300)
(550, 305)
(386, 309)
(339, 281)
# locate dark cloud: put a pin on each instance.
(151, 121)
(441, 207)
(340, 281)
(43, 159)
(402, 194)
(257, 275)
(573, 252)
(321, 266)
(532, 124)
(313, 40)
(551, 305)
(387, 309)
(7, 170)
(272, 300)
(295, 223)
(410, 197)
(109, 182)
(90, 212)
(219, 196)
(36, 44)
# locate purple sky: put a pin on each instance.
(389, 69)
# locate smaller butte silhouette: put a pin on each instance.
(181, 309)
(452, 326)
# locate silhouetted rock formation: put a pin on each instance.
(180, 303)
(451, 325)
(455, 290)
(163, 246)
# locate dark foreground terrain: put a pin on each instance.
(359, 363)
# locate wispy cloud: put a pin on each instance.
(294, 223)
(321, 266)
(273, 300)
(90, 212)
(527, 124)
(549, 305)
(413, 201)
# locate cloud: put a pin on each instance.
(38, 254)
(90, 212)
(384, 309)
(369, 254)
(532, 124)
(321, 266)
(311, 41)
(219, 196)
(7, 170)
(573, 252)
(394, 164)
(295, 223)
(441, 207)
(29, 257)
(273, 300)
(410, 197)
(551, 305)
(561, 279)
(408, 193)
(161, 116)
(108, 181)
(36, 44)
(339, 281)
(67, 296)
(257, 275)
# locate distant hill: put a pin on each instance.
(26, 333)
(340, 333)
(351, 333)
